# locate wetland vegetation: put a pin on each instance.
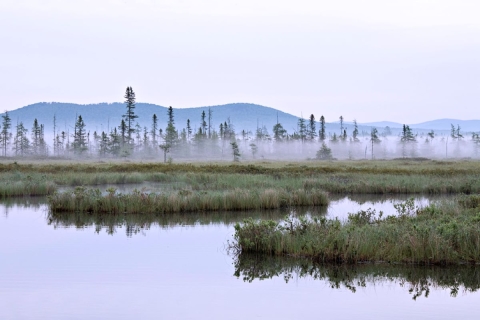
(446, 232)
(343, 177)
(137, 202)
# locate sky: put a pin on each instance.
(407, 61)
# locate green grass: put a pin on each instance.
(444, 233)
(18, 184)
(92, 200)
(341, 177)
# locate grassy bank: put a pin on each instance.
(342, 177)
(444, 233)
(17, 185)
(92, 200)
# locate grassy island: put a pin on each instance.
(443, 233)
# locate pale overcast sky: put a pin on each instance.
(407, 61)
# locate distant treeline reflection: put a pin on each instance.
(419, 280)
(137, 223)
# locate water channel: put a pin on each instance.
(176, 267)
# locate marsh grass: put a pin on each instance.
(92, 200)
(18, 185)
(443, 233)
(342, 177)
(396, 167)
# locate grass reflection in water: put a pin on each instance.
(135, 223)
(419, 280)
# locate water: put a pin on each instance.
(69, 269)
(341, 206)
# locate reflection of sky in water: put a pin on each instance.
(176, 273)
(341, 206)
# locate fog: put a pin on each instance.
(250, 148)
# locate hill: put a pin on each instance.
(244, 116)
(436, 125)
(105, 116)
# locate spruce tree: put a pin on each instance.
(189, 129)
(153, 133)
(171, 134)
(5, 133)
(321, 132)
(79, 137)
(203, 124)
(222, 131)
(210, 112)
(312, 131)
(407, 134)
(459, 135)
(138, 135)
(21, 142)
(407, 138)
(145, 140)
(123, 132)
(36, 135)
(355, 131)
(235, 151)
(103, 144)
(302, 129)
(114, 143)
(374, 138)
(279, 132)
(325, 153)
(54, 135)
(455, 133)
(254, 149)
(130, 116)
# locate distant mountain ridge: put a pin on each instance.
(106, 116)
(244, 116)
(439, 124)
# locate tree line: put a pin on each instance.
(129, 138)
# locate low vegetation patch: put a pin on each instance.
(92, 200)
(341, 177)
(442, 233)
(18, 185)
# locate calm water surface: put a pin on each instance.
(78, 269)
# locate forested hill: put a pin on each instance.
(100, 117)
(244, 116)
